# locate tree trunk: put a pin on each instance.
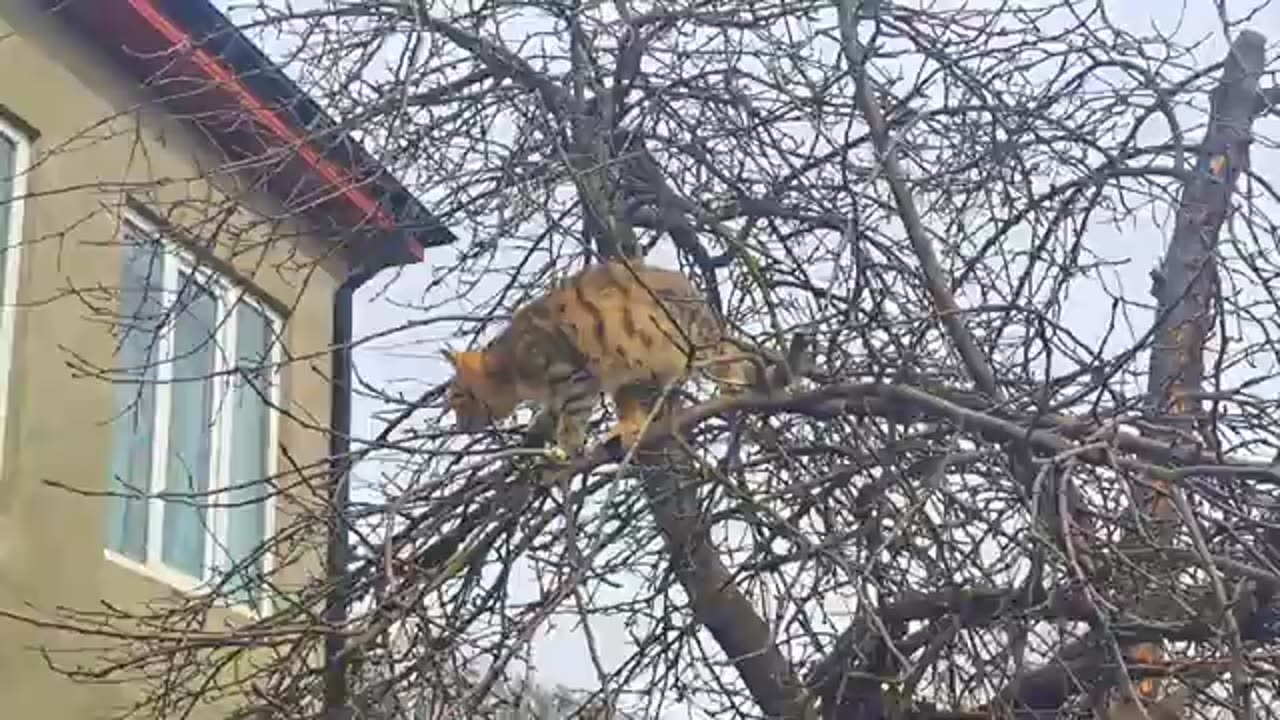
(1185, 286)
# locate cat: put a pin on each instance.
(620, 327)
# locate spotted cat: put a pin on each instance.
(624, 328)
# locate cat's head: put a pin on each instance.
(476, 396)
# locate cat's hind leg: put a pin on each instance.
(634, 404)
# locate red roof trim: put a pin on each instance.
(225, 82)
(224, 78)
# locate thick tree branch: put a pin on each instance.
(1186, 286)
(1188, 280)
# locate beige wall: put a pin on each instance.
(51, 541)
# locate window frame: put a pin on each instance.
(11, 267)
(228, 294)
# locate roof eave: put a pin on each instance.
(192, 83)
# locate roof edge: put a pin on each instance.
(172, 41)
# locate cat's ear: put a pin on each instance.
(451, 356)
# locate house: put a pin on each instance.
(183, 230)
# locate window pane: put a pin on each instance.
(250, 445)
(190, 432)
(133, 420)
(6, 197)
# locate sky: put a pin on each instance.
(409, 363)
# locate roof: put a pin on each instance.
(218, 78)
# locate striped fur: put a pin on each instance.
(625, 329)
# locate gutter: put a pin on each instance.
(338, 545)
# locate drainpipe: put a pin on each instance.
(338, 551)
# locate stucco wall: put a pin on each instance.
(51, 540)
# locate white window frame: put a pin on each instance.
(12, 236)
(228, 294)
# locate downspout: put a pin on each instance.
(338, 550)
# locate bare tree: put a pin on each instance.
(990, 478)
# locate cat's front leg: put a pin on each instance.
(543, 433)
(571, 434)
(574, 398)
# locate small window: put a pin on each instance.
(194, 424)
(15, 153)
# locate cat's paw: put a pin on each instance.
(557, 454)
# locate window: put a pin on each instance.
(194, 426)
(14, 156)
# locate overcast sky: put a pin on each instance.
(408, 363)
